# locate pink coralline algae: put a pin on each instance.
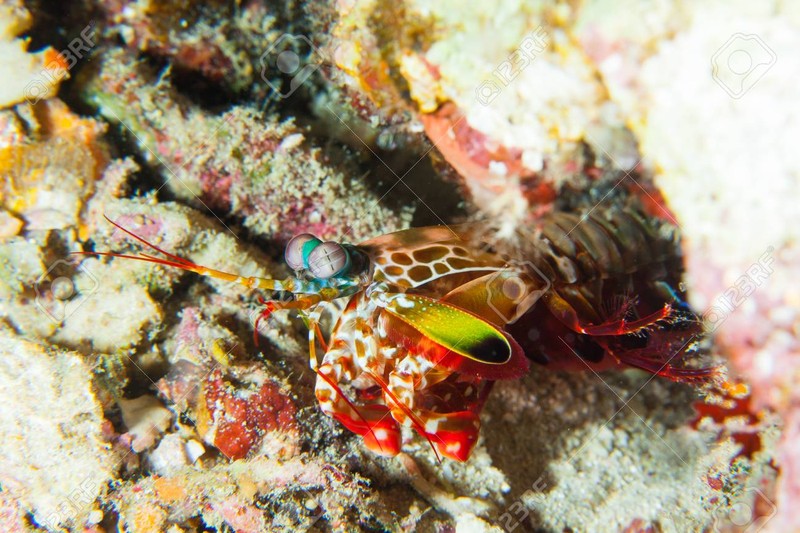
(239, 163)
(239, 419)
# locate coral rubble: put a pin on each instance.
(28, 76)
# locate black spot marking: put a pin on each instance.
(493, 350)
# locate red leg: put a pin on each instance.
(373, 423)
(451, 434)
(566, 314)
(454, 434)
(665, 355)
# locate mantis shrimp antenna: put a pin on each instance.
(292, 285)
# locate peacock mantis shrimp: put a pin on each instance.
(432, 317)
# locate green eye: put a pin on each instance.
(299, 249)
(327, 260)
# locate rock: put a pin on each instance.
(146, 419)
(54, 460)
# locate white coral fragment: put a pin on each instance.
(26, 76)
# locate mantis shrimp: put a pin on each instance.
(433, 316)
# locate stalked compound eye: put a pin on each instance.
(327, 260)
(298, 250)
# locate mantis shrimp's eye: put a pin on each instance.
(299, 249)
(328, 259)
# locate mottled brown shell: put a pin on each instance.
(414, 257)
